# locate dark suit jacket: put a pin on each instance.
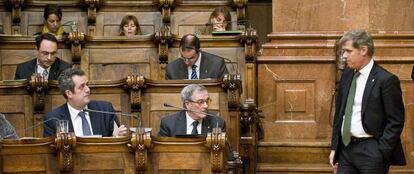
(412, 73)
(102, 124)
(26, 69)
(382, 112)
(211, 66)
(176, 124)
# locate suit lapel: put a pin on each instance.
(181, 124)
(54, 70)
(182, 70)
(203, 66)
(347, 84)
(33, 68)
(368, 88)
(96, 119)
(65, 115)
(206, 126)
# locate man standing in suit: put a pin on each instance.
(73, 86)
(194, 63)
(194, 120)
(369, 116)
(46, 63)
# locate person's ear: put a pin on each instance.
(364, 50)
(68, 94)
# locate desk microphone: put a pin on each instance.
(24, 130)
(232, 65)
(215, 117)
(116, 113)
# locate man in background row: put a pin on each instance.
(73, 85)
(194, 63)
(46, 63)
(194, 120)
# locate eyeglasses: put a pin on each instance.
(201, 101)
(45, 53)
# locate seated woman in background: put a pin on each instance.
(220, 19)
(53, 16)
(129, 26)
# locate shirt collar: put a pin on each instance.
(198, 62)
(191, 120)
(74, 112)
(40, 69)
(367, 69)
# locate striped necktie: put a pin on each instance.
(346, 131)
(194, 72)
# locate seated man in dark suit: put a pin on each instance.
(195, 119)
(46, 63)
(194, 63)
(73, 86)
(6, 129)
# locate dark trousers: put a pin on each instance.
(362, 157)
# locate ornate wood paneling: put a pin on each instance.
(342, 15)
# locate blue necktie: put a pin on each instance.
(194, 131)
(346, 130)
(194, 72)
(85, 125)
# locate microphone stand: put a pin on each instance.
(139, 126)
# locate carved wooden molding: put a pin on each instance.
(233, 84)
(163, 38)
(92, 6)
(134, 83)
(140, 143)
(249, 38)
(16, 8)
(76, 39)
(38, 86)
(216, 141)
(166, 7)
(240, 6)
(65, 144)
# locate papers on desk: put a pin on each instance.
(134, 129)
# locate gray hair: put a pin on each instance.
(65, 79)
(359, 38)
(7, 130)
(188, 91)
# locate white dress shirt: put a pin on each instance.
(197, 63)
(40, 69)
(357, 130)
(190, 124)
(77, 120)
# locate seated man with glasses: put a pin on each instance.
(194, 118)
(195, 64)
(46, 63)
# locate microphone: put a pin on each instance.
(229, 22)
(232, 66)
(30, 127)
(73, 25)
(215, 117)
(116, 113)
